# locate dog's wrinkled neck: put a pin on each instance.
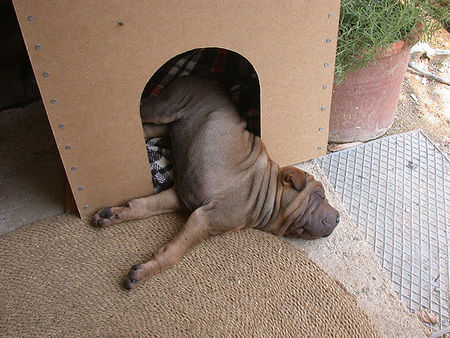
(269, 209)
(284, 217)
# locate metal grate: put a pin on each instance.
(397, 191)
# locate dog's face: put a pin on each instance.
(305, 210)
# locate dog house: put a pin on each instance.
(92, 62)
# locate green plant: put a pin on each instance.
(369, 27)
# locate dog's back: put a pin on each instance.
(212, 150)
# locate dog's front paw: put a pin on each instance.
(107, 216)
(136, 274)
(140, 272)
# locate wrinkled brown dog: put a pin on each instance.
(224, 180)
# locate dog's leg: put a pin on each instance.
(164, 202)
(155, 130)
(194, 231)
(158, 109)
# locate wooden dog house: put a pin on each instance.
(92, 60)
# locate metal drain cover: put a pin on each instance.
(397, 190)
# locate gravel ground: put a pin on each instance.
(424, 103)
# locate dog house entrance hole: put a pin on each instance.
(231, 69)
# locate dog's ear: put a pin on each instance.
(294, 176)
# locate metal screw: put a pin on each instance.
(54, 100)
(120, 23)
(319, 148)
(86, 207)
(38, 47)
(67, 147)
(323, 108)
(320, 129)
(326, 64)
(324, 86)
(45, 74)
(73, 168)
(328, 40)
(61, 126)
(80, 188)
(330, 15)
(30, 18)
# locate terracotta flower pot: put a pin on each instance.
(363, 106)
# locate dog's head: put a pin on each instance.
(305, 211)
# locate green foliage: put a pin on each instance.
(369, 26)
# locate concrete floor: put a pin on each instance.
(346, 257)
(32, 180)
(32, 187)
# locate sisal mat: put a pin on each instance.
(63, 277)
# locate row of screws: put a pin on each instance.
(54, 100)
(326, 65)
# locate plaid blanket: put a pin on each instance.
(237, 76)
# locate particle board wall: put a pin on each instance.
(92, 60)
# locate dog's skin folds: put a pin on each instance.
(225, 179)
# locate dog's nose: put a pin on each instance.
(338, 218)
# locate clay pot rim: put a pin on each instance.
(399, 46)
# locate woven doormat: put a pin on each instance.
(61, 277)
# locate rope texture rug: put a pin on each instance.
(62, 277)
